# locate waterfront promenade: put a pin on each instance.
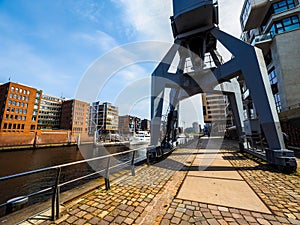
(191, 186)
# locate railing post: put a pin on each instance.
(106, 176)
(132, 164)
(55, 197)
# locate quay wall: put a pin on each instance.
(40, 139)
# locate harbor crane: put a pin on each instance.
(196, 34)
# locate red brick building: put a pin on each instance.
(19, 105)
(75, 116)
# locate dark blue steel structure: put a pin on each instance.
(195, 30)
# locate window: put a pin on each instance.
(17, 89)
(272, 76)
(21, 90)
(12, 88)
(25, 111)
(286, 24)
(283, 5)
(8, 109)
(277, 102)
(10, 95)
(9, 102)
(24, 92)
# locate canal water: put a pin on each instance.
(13, 162)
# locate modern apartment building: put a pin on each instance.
(75, 116)
(214, 110)
(128, 125)
(104, 118)
(50, 112)
(274, 27)
(19, 106)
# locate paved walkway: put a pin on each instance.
(158, 194)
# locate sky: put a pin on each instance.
(53, 45)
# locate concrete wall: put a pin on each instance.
(285, 52)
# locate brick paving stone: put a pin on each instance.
(94, 220)
(150, 196)
(128, 221)
(79, 222)
(175, 220)
(263, 221)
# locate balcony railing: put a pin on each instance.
(262, 37)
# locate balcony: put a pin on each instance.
(263, 41)
(253, 13)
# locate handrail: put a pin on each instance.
(56, 188)
(65, 165)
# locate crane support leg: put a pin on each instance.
(249, 60)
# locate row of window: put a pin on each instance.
(9, 127)
(283, 5)
(14, 117)
(51, 99)
(50, 108)
(50, 103)
(14, 103)
(20, 90)
(19, 97)
(16, 110)
(222, 102)
(50, 114)
(286, 24)
(13, 126)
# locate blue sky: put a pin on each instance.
(50, 44)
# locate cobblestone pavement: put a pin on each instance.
(150, 197)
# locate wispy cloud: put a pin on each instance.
(19, 62)
(147, 20)
(99, 39)
(88, 9)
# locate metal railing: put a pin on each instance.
(262, 37)
(55, 211)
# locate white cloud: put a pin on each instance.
(229, 16)
(149, 20)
